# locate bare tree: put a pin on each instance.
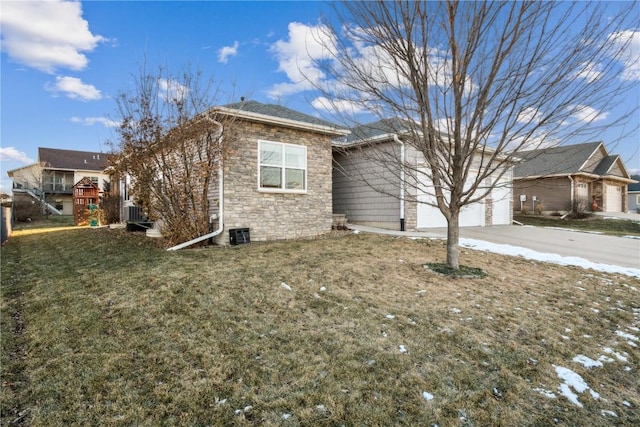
(475, 83)
(170, 147)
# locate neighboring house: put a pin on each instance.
(633, 194)
(52, 178)
(371, 188)
(275, 175)
(571, 177)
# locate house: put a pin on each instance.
(274, 180)
(571, 178)
(51, 180)
(633, 194)
(371, 187)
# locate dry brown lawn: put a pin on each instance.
(101, 327)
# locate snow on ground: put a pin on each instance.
(587, 362)
(502, 249)
(573, 382)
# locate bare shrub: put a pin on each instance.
(26, 210)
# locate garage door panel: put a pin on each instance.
(470, 215)
(431, 217)
(613, 198)
(501, 209)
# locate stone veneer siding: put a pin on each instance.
(273, 215)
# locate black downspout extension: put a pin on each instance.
(401, 224)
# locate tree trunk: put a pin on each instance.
(453, 238)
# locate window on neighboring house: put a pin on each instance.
(283, 167)
(638, 200)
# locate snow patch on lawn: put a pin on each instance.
(587, 362)
(285, 286)
(573, 382)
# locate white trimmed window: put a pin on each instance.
(282, 167)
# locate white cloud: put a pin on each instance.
(90, 121)
(73, 88)
(629, 41)
(228, 51)
(584, 113)
(298, 55)
(528, 116)
(283, 89)
(172, 90)
(590, 71)
(343, 106)
(13, 154)
(47, 35)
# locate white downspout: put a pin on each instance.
(402, 184)
(220, 211)
(572, 191)
(220, 216)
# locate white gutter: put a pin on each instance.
(220, 210)
(281, 121)
(402, 179)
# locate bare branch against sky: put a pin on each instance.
(475, 83)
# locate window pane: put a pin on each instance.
(270, 177)
(295, 179)
(270, 154)
(295, 157)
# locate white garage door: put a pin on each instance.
(501, 210)
(614, 198)
(431, 217)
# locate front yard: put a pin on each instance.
(597, 224)
(101, 327)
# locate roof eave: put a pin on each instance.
(10, 172)
(264, 118)
(601, 144)
(585, 174)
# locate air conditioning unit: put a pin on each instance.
(239, 236)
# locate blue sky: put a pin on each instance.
(63, 64)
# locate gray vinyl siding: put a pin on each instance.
(364, 190)
(633, 197)
(593, 161)
(616, 170)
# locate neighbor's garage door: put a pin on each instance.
(614, 198)
(501, 210)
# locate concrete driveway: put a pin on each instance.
(597, 248)
(621, 251)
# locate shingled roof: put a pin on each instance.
(568, 160)
(374, 130)
(73, 160)
(280, 112)
(562, 160)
